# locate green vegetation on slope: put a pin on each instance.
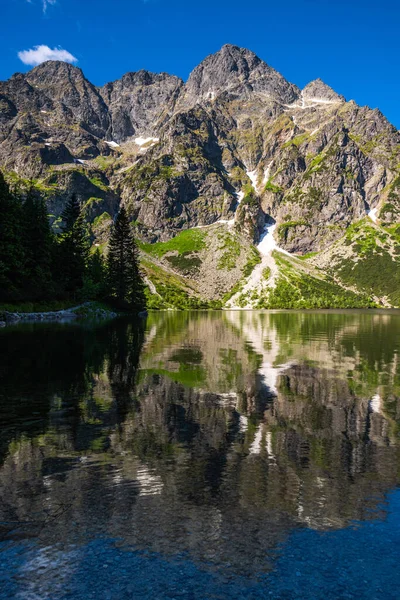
(190, 240)
(253, 260)
(230, 245)
(295, 289)
(171, 290)
(186, 263)
(374, 263)
(308, 292)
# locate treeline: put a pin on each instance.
(38, 265)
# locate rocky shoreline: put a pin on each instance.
(87, 310)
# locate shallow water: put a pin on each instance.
(202, 455)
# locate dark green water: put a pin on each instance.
(202, 455)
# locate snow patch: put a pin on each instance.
(373, 215)
(112, 144)
(140, 141)
(310, 102)
(240, 196)
(229, 222)
(252, 175)
(322, 101)
(267, 173)
(267, 241)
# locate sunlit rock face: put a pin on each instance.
(198, 430)
(237, 73)
(139, 103)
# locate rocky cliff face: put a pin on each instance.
(140, 103)
(236, 143)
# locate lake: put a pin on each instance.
(235, 454)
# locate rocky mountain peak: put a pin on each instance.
(318, 90)
(238, 72)
(61, 91)
(52, 71)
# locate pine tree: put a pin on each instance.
(70, 214)
(97, 268)
(73, 253)
(11, 247)
(95, 284)
(124, 276)
(38, 244)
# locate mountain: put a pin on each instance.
(242, 188)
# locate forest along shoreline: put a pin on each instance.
(38, 265)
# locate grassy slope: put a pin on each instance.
(172, 290)
(188, 241)
(367, 259)
(302, 286)
(178, 268)
(360, 270)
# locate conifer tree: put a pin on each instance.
(11, 247)
(95, 284)
(124, 276)
(70, 214)
(38, 244)
(97, 267)
(73, 252)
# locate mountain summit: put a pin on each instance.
(239, 73)
(317, 90)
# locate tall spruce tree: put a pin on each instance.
(125, 280)
(11, 247)
(95, 284)
(73, 254)
(38, 244)
(70, 214)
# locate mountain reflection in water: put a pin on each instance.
(207, 435)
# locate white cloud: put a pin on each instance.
(47, 3)
(35, 56)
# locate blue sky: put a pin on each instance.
(353, 45)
